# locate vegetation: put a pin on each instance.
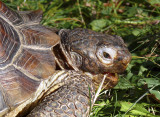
(138, 23)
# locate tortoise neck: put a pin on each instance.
(61, 58)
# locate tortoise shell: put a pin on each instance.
(26, 55)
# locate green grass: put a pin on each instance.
(137, 21)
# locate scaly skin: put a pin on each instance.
(71, 100)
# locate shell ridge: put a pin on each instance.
(16, 86)
(31, 16)
(13, 16)
(38, 62)
(38, 35)
(9, 43)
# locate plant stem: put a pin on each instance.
(80, 12)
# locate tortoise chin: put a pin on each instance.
(111, 80)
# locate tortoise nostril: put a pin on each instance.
(119, 59)
(126, 60)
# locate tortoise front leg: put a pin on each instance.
(71, 100)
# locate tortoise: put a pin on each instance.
(53, 73)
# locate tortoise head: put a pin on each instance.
(94, 52)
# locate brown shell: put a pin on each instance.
(26, 55)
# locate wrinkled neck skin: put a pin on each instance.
(63, 60)
(94, 53)
(62, 54)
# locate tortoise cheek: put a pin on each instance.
(90, 66)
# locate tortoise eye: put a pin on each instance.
(106, 55)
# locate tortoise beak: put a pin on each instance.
(111, 80)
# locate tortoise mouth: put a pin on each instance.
(112, 75)
(111, 80)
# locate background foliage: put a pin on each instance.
(138, 22)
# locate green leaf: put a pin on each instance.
(129, 75)
(125, 106)
(154, 1)
(149, 81)
(131, 11)
(156, 93)
(107, 11)
(123, 84)
(138, 109)
(97, 25)
(141, 70)
(136, 32)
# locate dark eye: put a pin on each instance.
(106, 55)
